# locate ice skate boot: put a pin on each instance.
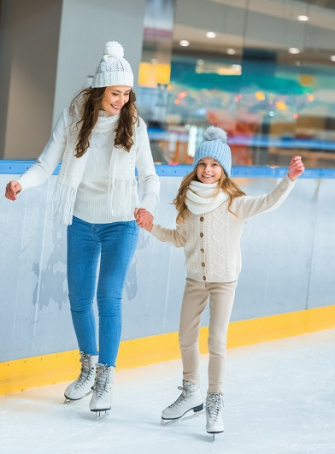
(83, 385)
(101, 400)
(214, 407)
(190, 399)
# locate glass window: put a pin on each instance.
(263, 71)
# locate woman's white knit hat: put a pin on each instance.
(214, 146)
(113, 68)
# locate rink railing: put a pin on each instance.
(165, 170)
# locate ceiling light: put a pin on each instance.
(211, 34)
(294, 50)
(229, 70)
(259, 95)
(281, 105)
(184, 42)
(231, 51)
(332, 58)
(303, 18)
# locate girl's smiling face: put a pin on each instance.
(209, 171)
(114, 98)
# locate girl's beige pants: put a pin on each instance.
(221, 298)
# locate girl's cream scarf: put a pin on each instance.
(202, 198)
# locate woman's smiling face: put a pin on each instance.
(114, 98)
(208, 171)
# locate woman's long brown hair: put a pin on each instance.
(225, 184)
(91, 99)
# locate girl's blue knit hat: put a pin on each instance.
(214, 146)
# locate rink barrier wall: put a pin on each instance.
(23, 374)
(17, 167)
(286, 286)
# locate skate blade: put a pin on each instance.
(168, 422)
(100, 415)
(215, 433)
(67, 400)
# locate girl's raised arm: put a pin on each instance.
(248, 206)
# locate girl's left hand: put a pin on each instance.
(295, 168)
(143, 218)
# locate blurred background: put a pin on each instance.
(262, 70)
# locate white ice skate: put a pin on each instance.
(214, 407)
(83, 385)
(101, 400)
(190, 399)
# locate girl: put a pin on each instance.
(100, 139)
(211, 212)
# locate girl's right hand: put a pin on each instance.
(12, 189)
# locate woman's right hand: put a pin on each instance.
(12, 189)
(143, 218)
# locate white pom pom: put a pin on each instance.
(113, 49)
(213, 133)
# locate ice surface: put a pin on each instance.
(279, 399)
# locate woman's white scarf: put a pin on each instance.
(202, 198)
(72, 170)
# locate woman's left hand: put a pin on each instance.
(295, 168)
(143, 218)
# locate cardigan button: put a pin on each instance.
(204, 278)
(203, 264)
(201, 234)
(202, 250)
(201, 219)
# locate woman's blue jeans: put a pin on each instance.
(114, 244)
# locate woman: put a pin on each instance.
(100, 139)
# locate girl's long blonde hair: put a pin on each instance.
(225, 184)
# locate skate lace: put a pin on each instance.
(180, 399)
(102, 381)
(214, 405)
(87, 370)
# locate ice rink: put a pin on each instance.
(279, 399)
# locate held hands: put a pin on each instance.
(143, 218)
(295, 168)
(12, 189)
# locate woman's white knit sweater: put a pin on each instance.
(93, 203)
(212, 240)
